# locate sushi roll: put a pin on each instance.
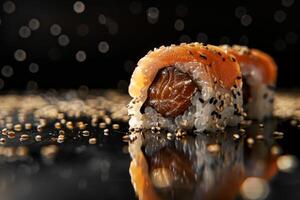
(186, 86)
(259, 73)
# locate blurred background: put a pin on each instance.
(96, 44)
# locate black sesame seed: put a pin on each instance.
(238, 77)
(271, 100)
(215, 102)
(203, 56)
(265, 95)
(238, 93)
(201, 100)
(219, 54)
(222, 103)
(234, 86)
(232, 59)
(211, 100)
(214, 113)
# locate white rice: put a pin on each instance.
(260, 105)
(202, 116)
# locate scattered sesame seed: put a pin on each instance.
(93, 141)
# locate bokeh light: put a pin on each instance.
(102, 19)
(24, 32)
(279, 16)
(179, 24)
(181, 10)
(135, 7)
(254, 188)
(185, 38)
(240, 11)
(34, 24)
(33, 67)
(287, 3)
(80, 56)
(79, 7)
(7, 71)
(202, 37)
(152, 15)
(287, 163)
(55, 29)
(9, 7)
(291, 38)
(246, 20)
(20, 55)
(63, 40)
(103, 47)
(224, 40)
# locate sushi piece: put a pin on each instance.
(186, 86)
(259, 72)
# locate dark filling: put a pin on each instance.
(171, 91)
(246, 90)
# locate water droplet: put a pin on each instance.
(20, 55)
(287, 3)
(33, 68)
(202, 37)
(279, 16)
(240, 11)
(24, 32)
(152, 15)
(102, 19)
(135, 7)
(34, 24)
(246, 20)
(63, 40)
(83, 30)
(179, 25)
(79, 7)
(80, 56)
(55, 29)
(103, 47)
(7, 71)
(291, 38)
(9, 7)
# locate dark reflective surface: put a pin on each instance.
(226, 165)
(255, 163)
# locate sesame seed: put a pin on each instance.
(92, 140)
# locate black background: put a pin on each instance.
(135, 36)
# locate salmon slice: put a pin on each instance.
(217, 66)
(254, 58)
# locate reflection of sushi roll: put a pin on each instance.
(259, 77)
(186, 86)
